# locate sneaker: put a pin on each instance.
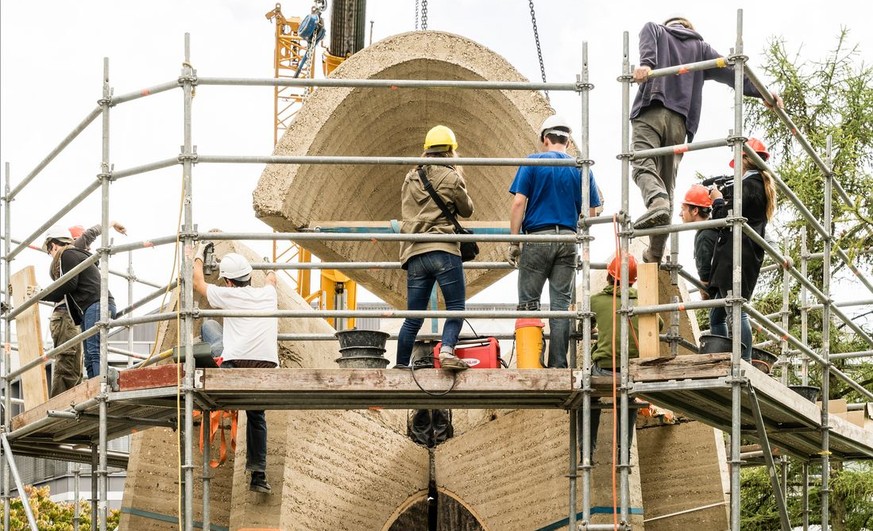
(452, 363)
(402, 367)
(259, 483)
(658, 214)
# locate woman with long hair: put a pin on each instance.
(759, 206)
(431, 262)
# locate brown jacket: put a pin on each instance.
(420, 215)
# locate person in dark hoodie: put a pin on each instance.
(430, 262)
(666, 111)
(759, 205)
(67, 367)
(81, 293)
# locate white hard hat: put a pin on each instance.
(234, 266)
(551, 125)
(56, 233)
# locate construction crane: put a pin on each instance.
(294, 57)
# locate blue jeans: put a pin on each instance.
(424, 270)
(90, 317)
(212, 333)
(595, 417)
(555, 262)
(718, 325)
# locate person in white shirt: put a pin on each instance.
(244, 342)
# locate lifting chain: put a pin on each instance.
(424, 15)
(533, 19)
(416, 15)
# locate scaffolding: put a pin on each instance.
(748, 396)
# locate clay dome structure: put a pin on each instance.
(392, 122)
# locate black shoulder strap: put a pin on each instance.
(437, 199)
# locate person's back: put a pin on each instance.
(605, 305)
(247, 338)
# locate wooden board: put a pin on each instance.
(647, 290)
(34, 387)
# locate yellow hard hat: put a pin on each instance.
(439, 139)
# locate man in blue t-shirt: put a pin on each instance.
(548, 200)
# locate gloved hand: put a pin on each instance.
(200, 252)
(512, 254)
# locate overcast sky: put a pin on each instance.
(51, 65)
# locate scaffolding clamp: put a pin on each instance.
(186, 157)
(198, 379)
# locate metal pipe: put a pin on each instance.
(145, 168)
(720, 62)
(826, 343)
(318, 236)
(807, 351)
(686, 511)
(66, 277)
(270, 266)
(7, 334)
(804, 319)
(148, 298)
(377, 161)
(141, 93)
(681, 227)
(145, 244)
(103, 433)
(852, 355)
(736, 277)
(54, 219)
(25, 503)
(188, 78)
(207, 472)
(51, 354)
(844, 304)
(387, 83)
(385, 314)
(677, 306)
(54, 153)
(677, 149)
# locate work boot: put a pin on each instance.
(259, 483)
(649, 258)
(658, 214)
(452, 363)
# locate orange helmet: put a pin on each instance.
(614, 268)
(76, 231)
(759, 148)
(698, 196)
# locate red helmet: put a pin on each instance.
(614, 268)
(698, 196)
(759, 148)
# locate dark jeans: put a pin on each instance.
(67, 367)
(555, 262)
(92, 344)
(256, 421)
(595, 417)
(718, 325)
(425, 270)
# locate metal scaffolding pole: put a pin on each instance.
(583, 264)
(7, 335)
(736, 295)
(622, 428)
(188, 79)
(826, 344)
(105, 168)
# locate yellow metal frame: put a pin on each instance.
(288, 53)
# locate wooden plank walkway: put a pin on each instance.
(695, 385)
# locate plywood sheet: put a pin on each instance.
(29, 334)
